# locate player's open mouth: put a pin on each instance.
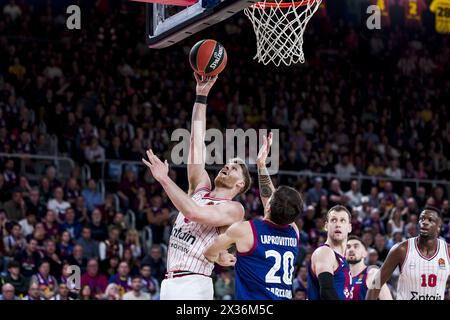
(224, 173)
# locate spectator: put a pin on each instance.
(95, 155)
(354, 195)
(155, 260)
(393, 171)
(299, 294)
(27, 224)
(52, 258)
(12, 10)
(8, 292)
(373, 258)
(50, 224)
(98, 229)
(149, 283)
(63, 293)
(96, 281)
(29, 258)
(397, 238)
(85, 293)
(301, 280)
(40, 235)
(225, 286)
(65, 246)
(77, 258)
(15, 208)
(58, 205)
(380, 246)
(48, 285)
(92, 197)
(314, 194)
(112, 292)
(16, 279)
(345, 169)
(111, 246)
(89, 245)
(72, 191)
(33, 292)
(34, 205)
(128, 189)
(395, 223)
(132, 242)
(335, 196)
(136, 293)
(122, 279)
(15, 242)
(71, 225)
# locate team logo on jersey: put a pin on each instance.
(441, 263)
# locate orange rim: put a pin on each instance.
(265, 5)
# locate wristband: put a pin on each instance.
(201, 99)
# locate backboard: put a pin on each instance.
(169, 24)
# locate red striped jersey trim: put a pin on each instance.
(436, 251)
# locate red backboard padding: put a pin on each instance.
(183, 3)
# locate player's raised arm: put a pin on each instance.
(394, 258)
(197, 175)
(223, 214)
(323, 264)
(266, 187)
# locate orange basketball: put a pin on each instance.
(208, 57)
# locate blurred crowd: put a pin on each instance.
(366, 102)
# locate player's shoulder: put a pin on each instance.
(323, 253)
(238, 208)
(239, 228)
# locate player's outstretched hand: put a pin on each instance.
(204, 84)
(226, 259)
(159, 169)
(264, 151)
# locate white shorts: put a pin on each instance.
(191, 287)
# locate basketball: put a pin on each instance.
(208, 57)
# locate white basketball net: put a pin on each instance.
(279, 26)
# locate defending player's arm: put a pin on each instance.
(216, 252)
(217, 216)
(197, 175)
(385, 293)
(324, 264)
(266, 188)
(394, 258)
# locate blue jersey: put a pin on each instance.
(266, 271)
(360, 285)
(342, 280)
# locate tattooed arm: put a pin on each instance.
(266, 187)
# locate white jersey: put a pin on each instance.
(423, 278)
(189, 239)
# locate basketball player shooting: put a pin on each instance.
(424, 263)
(204, 213)
(329, 276)
(266, 249)
(362, 274)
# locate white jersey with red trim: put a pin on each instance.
(189, 239)
(423, 278)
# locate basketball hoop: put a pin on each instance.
(279, 26)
